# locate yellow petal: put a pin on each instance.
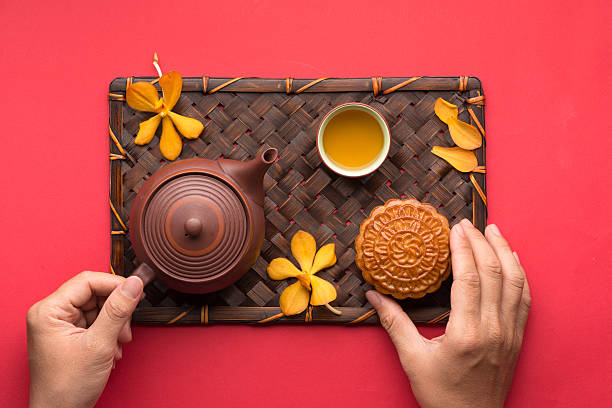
(170, 144)
(147, 130)
(445, 110)
(304, 279)
(171, 84)
(294, 299)
(325, 257)
(282, 268)
(464, 135)
(189, 127)
(462, 160)
(322, 291)
(142, 96)
(303, 248)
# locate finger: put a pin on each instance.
(489, 271)
(125, 335)
(79, 290)
(91, 304)
(81, 322)
(403, 332)
(100, 301)
(525, 303)
(90, 316)
(512, 276)
(117, 310)
(465, 291)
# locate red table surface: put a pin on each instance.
(545, 68)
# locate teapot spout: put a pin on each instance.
(249, 175)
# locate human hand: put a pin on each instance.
(75, 337)
(472, 364)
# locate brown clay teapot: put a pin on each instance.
(197, 225)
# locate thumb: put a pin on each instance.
(403, 332)
(117, 309)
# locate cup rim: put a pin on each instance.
(366, 170)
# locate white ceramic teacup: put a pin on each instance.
(382, 154)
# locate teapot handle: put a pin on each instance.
(145, 273)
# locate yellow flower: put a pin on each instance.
(309, 288)
(143, 96)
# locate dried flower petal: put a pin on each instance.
(142, 96)
(189, 127)
(464, 135)
(461, 159)
(325, 257)
(294, 299)
(303, 248)
(282, 268)
(170, 144)
(147, 130)
(171, 84)
(445, 110)
(322, 291)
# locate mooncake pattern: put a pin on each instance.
(402, 249)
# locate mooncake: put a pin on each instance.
(403, 249)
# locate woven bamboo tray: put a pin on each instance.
(242, 116)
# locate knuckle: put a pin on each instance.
(469, 344)
(497, 360)
(86, 275)
(526, 301)
(495, 336)
(493, 266)
(523, 310)
(469, 280)
(32, 315)
(516, 280)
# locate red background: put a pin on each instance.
(545, 68)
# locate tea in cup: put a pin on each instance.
(353, 139)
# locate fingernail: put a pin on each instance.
(516, 257)
(132, 287)
(373, 297)
(493, 228)
(466, 222)
(458, 229)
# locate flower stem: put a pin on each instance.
(156, 64)
(333, 310)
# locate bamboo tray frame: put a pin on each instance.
(243, 116)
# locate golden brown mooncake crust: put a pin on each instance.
(403, 249)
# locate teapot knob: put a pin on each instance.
(193, 227)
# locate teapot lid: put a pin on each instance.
(195, 226)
